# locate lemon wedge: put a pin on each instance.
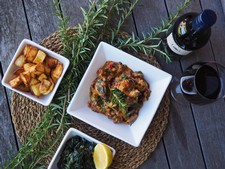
(102, 156)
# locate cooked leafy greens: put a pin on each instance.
(77, 154)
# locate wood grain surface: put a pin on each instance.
(8, 141)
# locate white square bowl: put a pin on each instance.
(132, 134)
(71, 133)
(44, 99)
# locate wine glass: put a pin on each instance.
(201, 83)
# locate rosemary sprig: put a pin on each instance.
(117, 97)
(124, 15)
(145, 45)
(115, 7)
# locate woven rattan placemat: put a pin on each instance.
(27, 113)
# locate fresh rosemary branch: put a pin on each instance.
(115, 8)
(117, 97)
(35, 136)
(167, 23)
(145, 45)
(124, 15)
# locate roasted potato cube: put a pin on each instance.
(33, 81)
(35, 89)
(51, 62)
(56, 73)
(31, 54)
(54, 80)
(26, 49)
(40, 67)
(37, 69)
(25, 77)
(40, 57)
(42, 77)
(45, 85)
(47, 70)
(15, 82)
(50, 88)
(27, 66)
(23, 88)
(18, 71)
(33, 75)
(20, 60)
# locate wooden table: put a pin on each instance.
(195, 135)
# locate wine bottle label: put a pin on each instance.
(174, 47)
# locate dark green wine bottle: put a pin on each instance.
(190, 32)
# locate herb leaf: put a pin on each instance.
(117, 97)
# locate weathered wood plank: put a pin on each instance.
(76, 17)
(156, 160)
(148, 14)
(210, 117)
(223, 5)
(210, 122)
(74, 13)
(7, 136)
(41, 18)
(218, 33)
(13, 29)
(192, 139)
(180, 138)
(129, 24)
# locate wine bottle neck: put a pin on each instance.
(203, 21)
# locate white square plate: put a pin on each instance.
(71, 133)
(132, 134)
(44, 99)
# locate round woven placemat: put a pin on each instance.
(27, 113)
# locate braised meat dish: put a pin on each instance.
(118, 92)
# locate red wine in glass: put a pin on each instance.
(201, 84)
